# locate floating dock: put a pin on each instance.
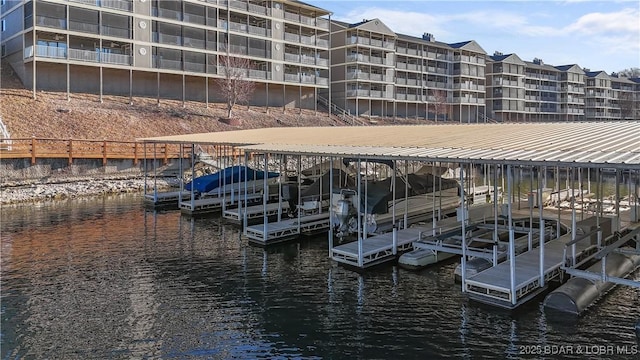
(165, 199)
(378, 248)
(215, 204)
(255, 213)
(493, 286)
(279, 231)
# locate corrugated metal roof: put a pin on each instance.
(615, 144)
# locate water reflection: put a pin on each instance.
(106, 279)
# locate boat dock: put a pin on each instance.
(493, 286)
(215, 204)
(377, 249)
(165, 199)
(255, 213)
(279, 231)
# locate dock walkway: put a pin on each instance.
(255, 212)
(493, 286)
(274, 232)
(379, 248)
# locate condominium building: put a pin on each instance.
(610, 97)
(168, 49)
(533, 91)
(377, 72)
(299, 58)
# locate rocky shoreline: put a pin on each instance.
(32, 192)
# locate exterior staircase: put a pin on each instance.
(5, 137)
(341, 113)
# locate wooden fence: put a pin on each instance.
(35, 148)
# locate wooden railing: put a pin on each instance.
(35, 148)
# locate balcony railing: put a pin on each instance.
(125, 5)
(194, 43)
(168, 64)
(116, 32)
(194, 67)
(83, 55)
(83, 27)
(77, 54)
(51, 22)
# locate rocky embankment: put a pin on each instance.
(14, 193)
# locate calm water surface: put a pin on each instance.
(97, 279)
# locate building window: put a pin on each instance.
(3, 50)
(3, 24)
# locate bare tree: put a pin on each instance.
(234, 86)
(630, 72)
(627, 106)
(440, 105)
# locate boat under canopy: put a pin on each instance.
(230, 175)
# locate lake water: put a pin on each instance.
(103, 278)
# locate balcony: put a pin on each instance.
(116, 32)
(193, 43)
(116, 59)
(46, 52)
(194, 67)
(259, 74)
(125, 5)
(84, 55)
(194, 19)
(167, 39)
(257, 9)
(83, 27)
(168, 64)
(51, 22)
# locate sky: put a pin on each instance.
(598, 35)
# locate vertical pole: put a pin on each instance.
(433, 197)
(329, 58)
(206, 91)
(192, 198)
(558, 199)
(495, 214)
(365, 231)
(155, 175)
(131, 88)
(299, 176)
(531, 200)
(181, 177)
(158, 88)
(617, 199)
(512, 250)
(599, 206)
(245, 219)
(331, 210)
(464, 232)
(265, 197)
(406, 194)
(68, 76)
(573, 218)
(542, 227)
(359, 178)
(35, 49)
(144, 163)
(101, 83)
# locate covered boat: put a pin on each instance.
(230, 175)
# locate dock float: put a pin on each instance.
(274, 232)
(377, 249)
(165, 199)
(493, 286)
(255, 213)
(215, 204)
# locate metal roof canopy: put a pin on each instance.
(584, 144)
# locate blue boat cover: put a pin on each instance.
(230, 175)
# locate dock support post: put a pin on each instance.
(433, 198)
(299, 176)
(144, 164)
(331, 222)
(359, 177)
(395, 240)
(192, 200)
(245, 220)
(406, 194)
(512, 250)
(495, 214)
(542, 227)
(181, 177)
(463, 262)
(265, 198)
(155, 176)
(573, 219)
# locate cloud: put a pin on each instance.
(625, 20)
